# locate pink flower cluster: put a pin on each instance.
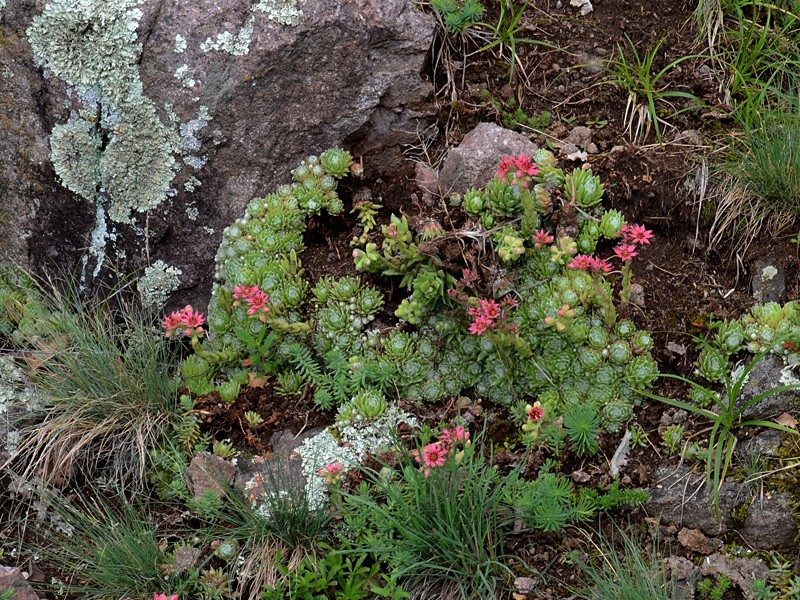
(590, 264)
(435, 455)
(165, 597)
(332, 473)
(255, 299)
(484, 316)
(187, 321)
(517, 170)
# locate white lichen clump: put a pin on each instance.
(237, 45)
(180, 44)
(349, 448)
(14, 390)
(157, 283)
(285, 12)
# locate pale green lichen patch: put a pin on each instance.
(157, 283)
(237, 45)
(89, 43)
(180, 44)
(182, 75)
(75, 152)
(285, 12)
(192, 184)
(768, 273)
(115, 150)
(137, 166)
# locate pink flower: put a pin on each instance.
(638, 234)
(480, 325)
(332, 473)
(581, 262)
(468, 278)
(391, 230)
(510, 302)
(434, 455)
(601, 265)
(458, 435)
(490, 309)
(188, 321)
(241, 292)
(171, 323)
(165, 597)
(536, 413)
(625, 252)
(520, 166)
(541, 238)
(257, 301)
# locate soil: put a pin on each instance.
(685, 280)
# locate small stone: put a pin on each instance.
(580, 136)
(678, 349)
(580, 476)
(692, 137)
(525, 585)
(592, 148)
(696, 541)
(637, 295)
(187, 558)
(768, 283)
(12, 578)
(209, 472)
(427, 180)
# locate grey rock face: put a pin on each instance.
(766, 375)
(769, 282)
(474, 162)
(238, 93)
(680, 499)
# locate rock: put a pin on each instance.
(187, 558)
(691, 137)
(765, 443)
(741, 571)
(525, 585)
(768, 283)
(592, 148)
(208, 472)
(11, 577)
(210, 104)
(637, 295)
(767, 374)
(580, 136)
(684, 573)
(261, 477)
(680, 498)
(474, 162)
(427, 180)
(696, 541)
(584, 5)
(770, 524)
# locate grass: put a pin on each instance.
(285, 522)
(637, 575)
(726, 420)
(105, 547)
(442, 534)
(106, 392)
(634, 73)
(759, 187)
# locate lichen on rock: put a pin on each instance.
(157, 283)
(285, 12)
(115, 149)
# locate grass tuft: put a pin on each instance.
(106, 392)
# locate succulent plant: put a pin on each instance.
(229, 391)
(583, 188)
